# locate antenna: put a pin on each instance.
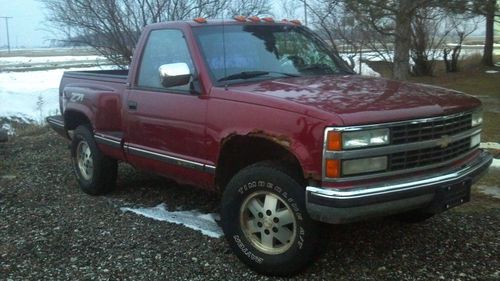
(224, 49)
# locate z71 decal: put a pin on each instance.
(76, 97)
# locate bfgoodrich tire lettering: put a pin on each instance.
(265, 220)
(95, 173)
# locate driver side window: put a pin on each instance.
(163, 47)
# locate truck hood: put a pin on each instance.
(359, 100)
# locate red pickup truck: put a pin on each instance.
(266, 114)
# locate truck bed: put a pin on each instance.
(112, 76)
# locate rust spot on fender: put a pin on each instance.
(312, 176)
(279, 139)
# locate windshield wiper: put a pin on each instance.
(253, 74)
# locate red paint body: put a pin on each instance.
(193, 127)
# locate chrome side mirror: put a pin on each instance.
(174, 74)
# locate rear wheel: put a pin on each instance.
(265, 220)
(95, 173)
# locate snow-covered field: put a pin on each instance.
(48, 60)
(31, 96)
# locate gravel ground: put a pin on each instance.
(50, 230)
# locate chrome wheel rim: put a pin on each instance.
(268, 222)
(84, 160)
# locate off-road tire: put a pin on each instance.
(97, 174)
(247, 230)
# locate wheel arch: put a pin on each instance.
(232, 158)
(75, 118)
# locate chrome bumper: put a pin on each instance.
(390, 197)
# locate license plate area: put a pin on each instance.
(450, 196)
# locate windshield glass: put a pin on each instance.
(265, 52)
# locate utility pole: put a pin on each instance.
(7, 28)
(305, 12)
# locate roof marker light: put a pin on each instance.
(268, 19)
(296, 22)
(200, 20)
(240, 18)
(254, 19)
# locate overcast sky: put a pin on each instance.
(27, 26)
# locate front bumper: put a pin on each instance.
(434, 192)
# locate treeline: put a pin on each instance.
(410, 34)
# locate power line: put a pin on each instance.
(7, 28)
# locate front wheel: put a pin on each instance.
(95, 173)
(265, 220)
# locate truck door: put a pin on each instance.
(166, 126)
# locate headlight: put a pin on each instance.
(365, 165)
(477, 117)
(365, 138)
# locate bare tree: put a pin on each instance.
(462, 26)
(382, 26)
(250, 8)
(489, 10)
(290, 8)
(112, 27)
(390, 18)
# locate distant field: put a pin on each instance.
(44, 52)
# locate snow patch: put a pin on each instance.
(490, 145)
(8, 128)
(491, 71)
(493, 191)
(206, 223)
(495, 163)
(365, 68)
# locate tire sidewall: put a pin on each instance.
(278, 183)
(82, 133)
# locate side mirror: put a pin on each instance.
(174, 74)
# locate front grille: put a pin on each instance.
(430, 130)
(427, 156)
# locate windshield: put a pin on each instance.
(265, 52)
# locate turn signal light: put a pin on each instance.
(296, 22)
(200, 20)
(333, 168)
(334, 141)
(268, 19)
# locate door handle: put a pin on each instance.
(132, 105)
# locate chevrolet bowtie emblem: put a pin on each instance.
(444, 141)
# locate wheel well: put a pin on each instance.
(241, 151)
(73, 119)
